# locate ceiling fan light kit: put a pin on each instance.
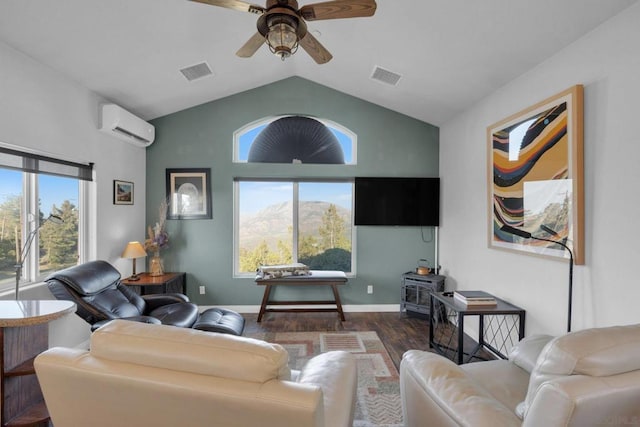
(282, 40)
(282, 32)
(282, 26)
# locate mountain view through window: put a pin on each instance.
(284, 222)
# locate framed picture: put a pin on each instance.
(189, 193)
(122, 192)
(535, 177)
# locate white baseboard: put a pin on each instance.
(373, 308)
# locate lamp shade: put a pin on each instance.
(134, 250)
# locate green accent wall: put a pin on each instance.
(389, 144)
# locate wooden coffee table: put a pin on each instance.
(316, 278)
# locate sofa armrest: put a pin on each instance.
(598, 352)
(436, 389)
(526, 352)
(336, 374)
(154, 301)
(580, 400)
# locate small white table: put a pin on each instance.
(24, 333)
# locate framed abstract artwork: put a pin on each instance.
(535, 177)
(122, 192)
(189, 193)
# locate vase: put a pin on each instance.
(156, 268)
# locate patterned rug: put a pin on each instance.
(378, 402)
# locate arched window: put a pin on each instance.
(294, 219)
(295, 139)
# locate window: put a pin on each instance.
(40, 214)
(279, 222)
(244, 138)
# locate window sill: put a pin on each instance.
(33, 290)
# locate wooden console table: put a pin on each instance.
(24, 333)
(168, 282)
(317, 278)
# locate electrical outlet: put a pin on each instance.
(202, 290)
(370, 289)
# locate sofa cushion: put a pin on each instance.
(190, 350)
(505, 381)
(113, 304)
(596, 352)
(218, 319)
(179, 314)
(89, 278)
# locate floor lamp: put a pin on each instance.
(527, 235)
(27, 246)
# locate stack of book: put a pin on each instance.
(475, 298)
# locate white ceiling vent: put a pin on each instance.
(196, 71)
(385, 76)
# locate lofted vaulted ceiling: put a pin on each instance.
(449, 54)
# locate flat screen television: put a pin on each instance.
(397, 201)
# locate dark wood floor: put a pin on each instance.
(399, 333)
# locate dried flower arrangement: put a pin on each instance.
(158, 236)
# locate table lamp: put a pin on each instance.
(527, 235)
(134, 250)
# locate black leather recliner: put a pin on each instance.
(100, 297)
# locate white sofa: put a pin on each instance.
(585, 378)
(139, 374)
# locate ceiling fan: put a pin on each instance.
(282, 25)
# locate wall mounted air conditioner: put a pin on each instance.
(118, 122)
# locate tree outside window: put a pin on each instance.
(55, 245)
(267, 233)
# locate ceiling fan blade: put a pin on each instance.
(234, 4)
(251, 46)
(338, 9)
(313, 47)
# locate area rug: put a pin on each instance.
(378, 402)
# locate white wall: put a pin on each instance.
(43, 110)
(607, 62)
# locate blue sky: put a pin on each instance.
(52, 189)
(258, 195)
